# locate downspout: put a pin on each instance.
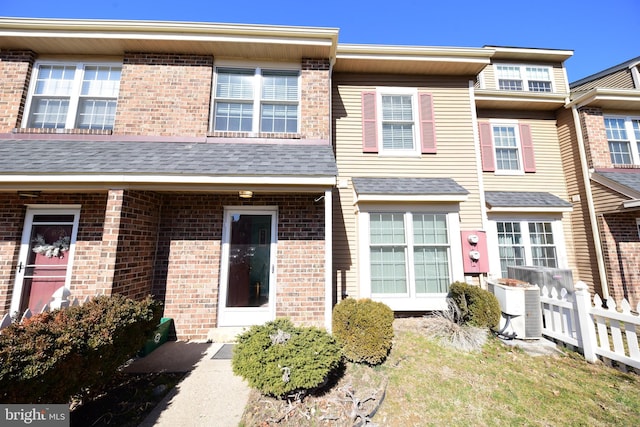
(328, 221)
(592, 211)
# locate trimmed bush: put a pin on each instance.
(477, 306)
(364, 328)
(280, 359)
(55, 356)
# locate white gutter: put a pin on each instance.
(592, 211)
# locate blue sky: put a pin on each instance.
(601, 33)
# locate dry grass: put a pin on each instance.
(428, 384)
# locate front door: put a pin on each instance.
(46, 252)
(247, 290)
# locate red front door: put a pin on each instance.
(44, 259)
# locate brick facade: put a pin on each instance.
(315, 89)
(164, 95)
(621, 247)
(595, 138)
(15, 69)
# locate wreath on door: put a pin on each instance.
(50, 250)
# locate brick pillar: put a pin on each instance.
(15, 69)
(315, 89)
(110, 238)
(595, 138)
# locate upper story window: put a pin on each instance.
(398, 121)
(623, 135)
(524, 78)
(256, 100)
(506, 147)
(78, 95)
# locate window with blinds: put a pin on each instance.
(256, 100)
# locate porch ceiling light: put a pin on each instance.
(245, 194)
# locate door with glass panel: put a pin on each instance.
(247, 289)
(46, 254)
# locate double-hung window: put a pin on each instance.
(623, 135)
(409, 253)
(78, 95)
(505, 140)
(506, 147)
(256, 100)
(398, 122)
(523, 242)
(524, 78)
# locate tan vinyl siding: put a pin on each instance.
(621, 79)
(455, 156)
(580, 238)
(557, 74)
(606, 200)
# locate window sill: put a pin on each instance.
(630, 166)
(266, 135)
(63, 131)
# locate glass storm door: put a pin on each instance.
(44, 264)
(247, 280)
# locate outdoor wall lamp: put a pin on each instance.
(245, 194)
(29, 194)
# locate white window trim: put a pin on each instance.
(523, 76)
(633, 142)
(638, 226)
(410, 301)
(417, 143)
(516, 125)
(74, 98)
(257, 68)
(492, 238)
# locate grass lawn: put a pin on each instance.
(432, 385)
(428, 384)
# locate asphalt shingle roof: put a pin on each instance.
(524, 199)
(628, 179)
(414, 186)
(171, 158)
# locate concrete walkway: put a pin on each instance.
(209, 394)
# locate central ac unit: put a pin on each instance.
(521, 310)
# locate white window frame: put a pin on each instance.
(631, 138)
(524, 77)
(524, 219)
(516, 127)
(417, 143)
(638, 226)
(257, 68)
(410, 301)
(75, 95)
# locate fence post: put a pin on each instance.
(586, 329)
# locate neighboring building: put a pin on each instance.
(188, 161)
(241, 173)
(449, 168)
(602, 163)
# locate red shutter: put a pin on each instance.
(369, 125)
(528, 159)
(427, 124)
(486, 147)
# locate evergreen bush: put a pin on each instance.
(68, 352)
(281, 360)
(364, 328)
(477, 307)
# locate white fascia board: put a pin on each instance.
(425, 53)
(168, 179)
(410, 198)
(530, 209)
(600, 94)
(631, 204)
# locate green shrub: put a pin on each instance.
(364, 328)
(54, 356)
(280, 359)
(477, 306)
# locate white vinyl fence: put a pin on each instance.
(60, 299)
(599, 332)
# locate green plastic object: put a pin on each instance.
(160, 336)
